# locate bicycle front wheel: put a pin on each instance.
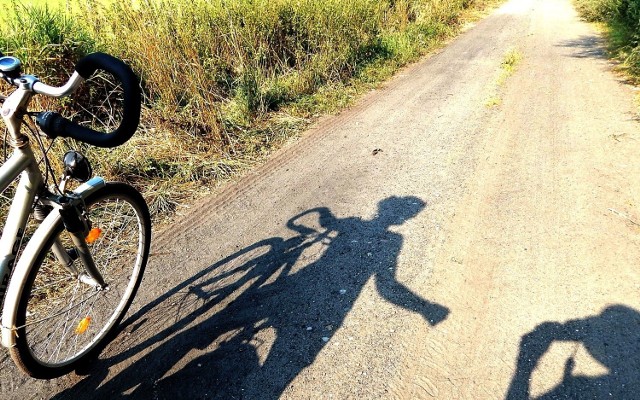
(63, 320)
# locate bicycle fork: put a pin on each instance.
(78, 227)
(71, 209)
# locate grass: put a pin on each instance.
(225, 81)
(509, 63)
(493, 101)
(508, 66)
(620, 22)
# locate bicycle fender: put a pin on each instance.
(89, 187)
(20, 274)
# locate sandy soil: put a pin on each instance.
(455, 235)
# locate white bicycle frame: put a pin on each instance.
(21, 162)
(31, 184)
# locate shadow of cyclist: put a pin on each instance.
(267, 285)
(612, 338)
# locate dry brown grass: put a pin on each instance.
(225, 81)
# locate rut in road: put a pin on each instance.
(431, 242)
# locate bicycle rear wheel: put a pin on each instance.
(61, 321)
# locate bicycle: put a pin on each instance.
(78, 273)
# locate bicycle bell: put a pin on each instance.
(76, 166)
(10, 66)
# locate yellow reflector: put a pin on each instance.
(83, 325)
(93, 235)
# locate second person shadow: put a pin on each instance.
(212, 350)
(611, 338)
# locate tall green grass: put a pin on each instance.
(622, 18)
(225, 81)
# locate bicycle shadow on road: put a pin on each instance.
(612, 338)
(246, 326)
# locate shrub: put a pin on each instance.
(623, 19)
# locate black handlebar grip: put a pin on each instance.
(54, 124)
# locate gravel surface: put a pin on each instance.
(455, 235)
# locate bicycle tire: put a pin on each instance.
(61, 322)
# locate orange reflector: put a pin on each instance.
(93, 235)
(83, 325)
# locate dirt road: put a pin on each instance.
(456, 235)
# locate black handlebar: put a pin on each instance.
(54, 124)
